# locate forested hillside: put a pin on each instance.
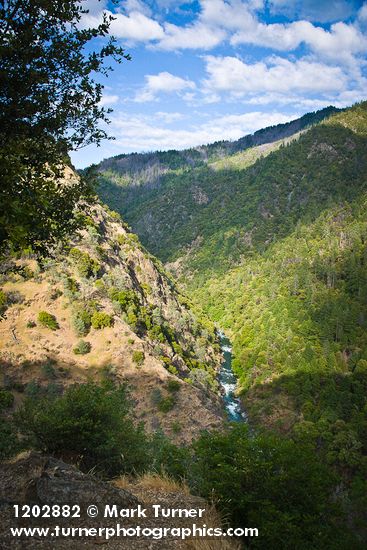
(121, 175)
(274, 250)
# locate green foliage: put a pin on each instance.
(82, 320)
(166, 404)
(50, 105)
(3, 302)
(87, 266)
(48, 369)
(173, 386)
(124, 298)
(71, 288)
(6, 399)
(48, 320)
(100, 320)
(278, 486)
(9, 444)
(82, 347)
(90, 422)
(138, 357)
(169, 458)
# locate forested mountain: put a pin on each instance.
(147, 169)
(272, 245)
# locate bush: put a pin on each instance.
(124, 298)
(31, 324)
(82, 348)
(87, 266)
(81, 321)
(71, 288)
(166, 404)
(173, 386)
(3, 302)
(48, 370)
(91, 423)
(6, 399)
(47, 320)
(138, 357)
(101, 320)
(8, 441)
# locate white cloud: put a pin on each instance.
(109, 99)
(276, 75)
(137, 5)
(168, 118)
(195, 36)
(339, 44)
(238, 21)
(135, 26)
(163, 82)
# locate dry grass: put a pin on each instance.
(210, 544)
(153, 487)
(153, 482)
(212, 519)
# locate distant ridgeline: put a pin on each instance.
(269, 235)
(147, 168)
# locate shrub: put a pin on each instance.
(47, 320)
(100, 319)
(166, 404)
(27, 273)
(173, 386)
(82, 348)
(87, 266)
(172, 369)
(124, 298)
(48, 370)
(81, 321)
(138, 357)
(6, 399)
(99, 284)
(3, 302)
(8, 440)
(71, 288)
(31, 324)
(90, 422)
(176, 427)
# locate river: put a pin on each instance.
(228, 383)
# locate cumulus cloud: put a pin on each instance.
(340, 44)
(195, 36)
(163, 82)
(238, 21)
(109, 99)
(234, 76)
(135, 26)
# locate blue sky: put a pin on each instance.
(207, 70)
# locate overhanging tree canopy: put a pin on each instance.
(49, 104)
